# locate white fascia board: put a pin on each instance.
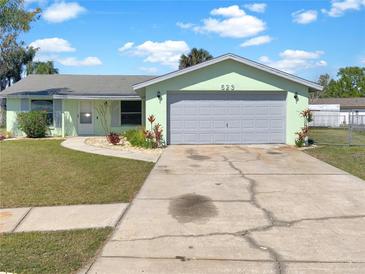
(234, 57)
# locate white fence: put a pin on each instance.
(337, 119)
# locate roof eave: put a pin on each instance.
(237, 58)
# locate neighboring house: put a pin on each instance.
(226, 100)
(336, 112)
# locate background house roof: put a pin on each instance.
(75, 85)
(358, 102)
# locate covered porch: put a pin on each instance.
(80, 116)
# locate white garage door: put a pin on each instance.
(226, 118)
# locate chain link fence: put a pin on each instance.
(337, 128)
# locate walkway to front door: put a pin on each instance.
(241, 209)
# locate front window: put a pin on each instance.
(131, 113)
(44, 105)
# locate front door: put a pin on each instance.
(86, 125)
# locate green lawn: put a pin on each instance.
(348, 158)
(336, 136)
(41, 172)
(49, 252)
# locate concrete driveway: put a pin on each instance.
(241, 209)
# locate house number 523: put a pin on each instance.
(227, 87)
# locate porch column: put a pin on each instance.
(63, 124)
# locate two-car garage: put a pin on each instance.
(227, 100)
(226, 117)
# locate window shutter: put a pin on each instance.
(57, 113)
(24, 104)
(115, 114)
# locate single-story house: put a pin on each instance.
(226, 100)
(336, 112)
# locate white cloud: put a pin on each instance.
(256, 41)
(338, 7)
(301, 54)
(166, 53)
(304, 17)
(231, 11)
(295, 60)
(62, 11)
(237, 24)
(256, 7)
(149, 70)
(73, 62)
(362, 60)
(54, 44)
(126, 46)
(185, 25)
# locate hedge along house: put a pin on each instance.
(226, 100)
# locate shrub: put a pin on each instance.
(33, 123)
(113, 138)
(137, 138)
(2, 137)
(299, 142)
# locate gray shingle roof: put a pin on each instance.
(81, 85)
(343, 102)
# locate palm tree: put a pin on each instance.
(41, 68)
(195, 56)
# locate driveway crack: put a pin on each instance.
(269, 216)
(273, 221)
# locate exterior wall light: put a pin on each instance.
(159, 95)
(296, 96)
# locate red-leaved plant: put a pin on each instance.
(157, 130)
(151, 119)
(113, 138)
(304, 133)
(154, 135)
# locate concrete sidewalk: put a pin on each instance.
(53, 218)
(78, 143)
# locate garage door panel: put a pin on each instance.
(219, 124)
(205, 110)
(219, 138)
(275, 137)
(191, 125)
(204, 118)
(205, 124)
(261, 123)
(234, 124)
(235, 110)
(277, 124)
(191, 110)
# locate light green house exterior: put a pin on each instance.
(69, 117)
(238, 74)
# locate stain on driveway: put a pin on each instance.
(192, 208)
(241, 209)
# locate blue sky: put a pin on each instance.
(306, 38)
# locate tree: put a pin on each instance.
(14, 19)
(323, 80)
(350, 83)
(41, 68)
(13, 58)
(195, 56)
